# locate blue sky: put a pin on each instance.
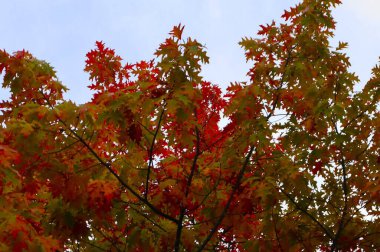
(63, 31)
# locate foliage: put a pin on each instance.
(146, 166)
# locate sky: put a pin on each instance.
(61, 32)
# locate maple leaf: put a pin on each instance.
(135, 133)
(177, 31)
(8, 155)
(317, 167)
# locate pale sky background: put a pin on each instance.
(63, 31)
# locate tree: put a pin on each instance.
(145, 165)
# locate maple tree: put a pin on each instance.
(145, 165)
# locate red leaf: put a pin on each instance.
(317, 167)
(177, 31)
(135, 133)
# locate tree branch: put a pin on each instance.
(151, 153)
(242, 170)
(147, 218)
(108, 167)
(276, 232)
(189, 180)
(345, 195)
(325, 230)
(224, 212)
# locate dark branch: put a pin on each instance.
(345, 195)
(108, 167)
(304, 211)
(189, 180)
(231, 196)
(151, 153)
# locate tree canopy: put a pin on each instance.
(149, 165)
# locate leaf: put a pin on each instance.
(317, 167)
(135, 133)
(9, 156)
(69, 219)
(341, 46)
(177, 31)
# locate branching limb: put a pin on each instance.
(107, 165)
